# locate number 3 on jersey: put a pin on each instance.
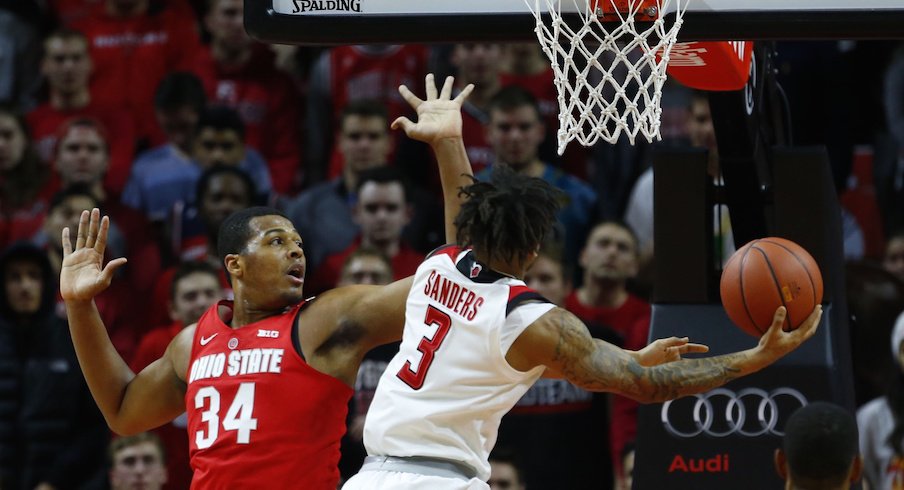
(415, 377)
(238, 417)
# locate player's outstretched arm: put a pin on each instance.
(561, 342)
(130, 404)
(439, 125)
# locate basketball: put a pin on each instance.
(765, 274)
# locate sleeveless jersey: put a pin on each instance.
(445, 392)
(258, 414)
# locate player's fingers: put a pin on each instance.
(812, 321)
(778, 320)
(93, 226)
(67, 244)
(460, 98)
(82, 230)
(100, 243)
(431, 86)
(692, 348)
(110, 269)
(402, 122)
(413, 100)
(446, 94)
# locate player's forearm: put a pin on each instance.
(105, 371)
(454, 173)
(689, 376)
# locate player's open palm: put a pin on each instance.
(83, 274)
(777, 342)
(438, 117)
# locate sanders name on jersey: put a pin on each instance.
(239, 362)
(459, 299)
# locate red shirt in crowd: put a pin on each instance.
(404, 264)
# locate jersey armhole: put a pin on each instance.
(449, 249)
(296, 340)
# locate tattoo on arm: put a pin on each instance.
(597, 365)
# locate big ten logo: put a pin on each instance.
(270, 334)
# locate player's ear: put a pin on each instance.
(233, 264)
(780, 464)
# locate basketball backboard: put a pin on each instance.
(326, 22)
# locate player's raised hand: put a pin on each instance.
(666, 350)
(776, 342)
(83, 274)
(438, 117)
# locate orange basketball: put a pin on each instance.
(765, 274)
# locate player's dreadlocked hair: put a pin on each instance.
(508, 217)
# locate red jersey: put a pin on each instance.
(131, 56)
(631, 320)
(258, 414)
(267, 101)
(44, 122)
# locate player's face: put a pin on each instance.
(225, 195)
(503, 477)
(364, 142)
(225, 23)
(82, 156)
(610, 253)
(66, 214)
(515, 135)
(218, 147)
(66, 64)
(274, 263)
(545, 276)
(178, 124)
(381, 211)
(193, 295)
(23, 282)
(12, 142)
(894, 257)
(138, 467)
(477, 63)
(366, 269)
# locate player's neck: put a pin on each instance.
(609, 294)
(70, 101)
(245, 312)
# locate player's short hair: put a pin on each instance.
(508, 217)
(364, 108)
(122, 442)
(235, 231)
(220, 169)
(188, 268)
(180, 89)
(220, 117)
(820, 444)
(385, 174)
(513, 97)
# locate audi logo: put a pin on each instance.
(751, 412)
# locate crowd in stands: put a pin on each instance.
(167, 116)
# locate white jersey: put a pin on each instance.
(445, 392)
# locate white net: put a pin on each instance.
(609, 71)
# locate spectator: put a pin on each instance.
(515, 132)
(19, 43)
(609, 260)
(23, 180)
(881, 425)
(66, 67)
(241, 74)
(506, 470)
(382, 212)
(819, 449)
(893, 260)
(138, 462)
(344, 74)
(195, 287)
(366, 265)
(53, 435)
(133, 45)
(554, 412)
(323, 214)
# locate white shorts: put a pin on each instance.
(409, 477)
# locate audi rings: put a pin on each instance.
(707, 421)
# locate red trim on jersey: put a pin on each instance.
(451, 250)
(515, 291)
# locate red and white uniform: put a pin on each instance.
(445, 392)
(258, 414)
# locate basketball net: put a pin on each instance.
(609, 65)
